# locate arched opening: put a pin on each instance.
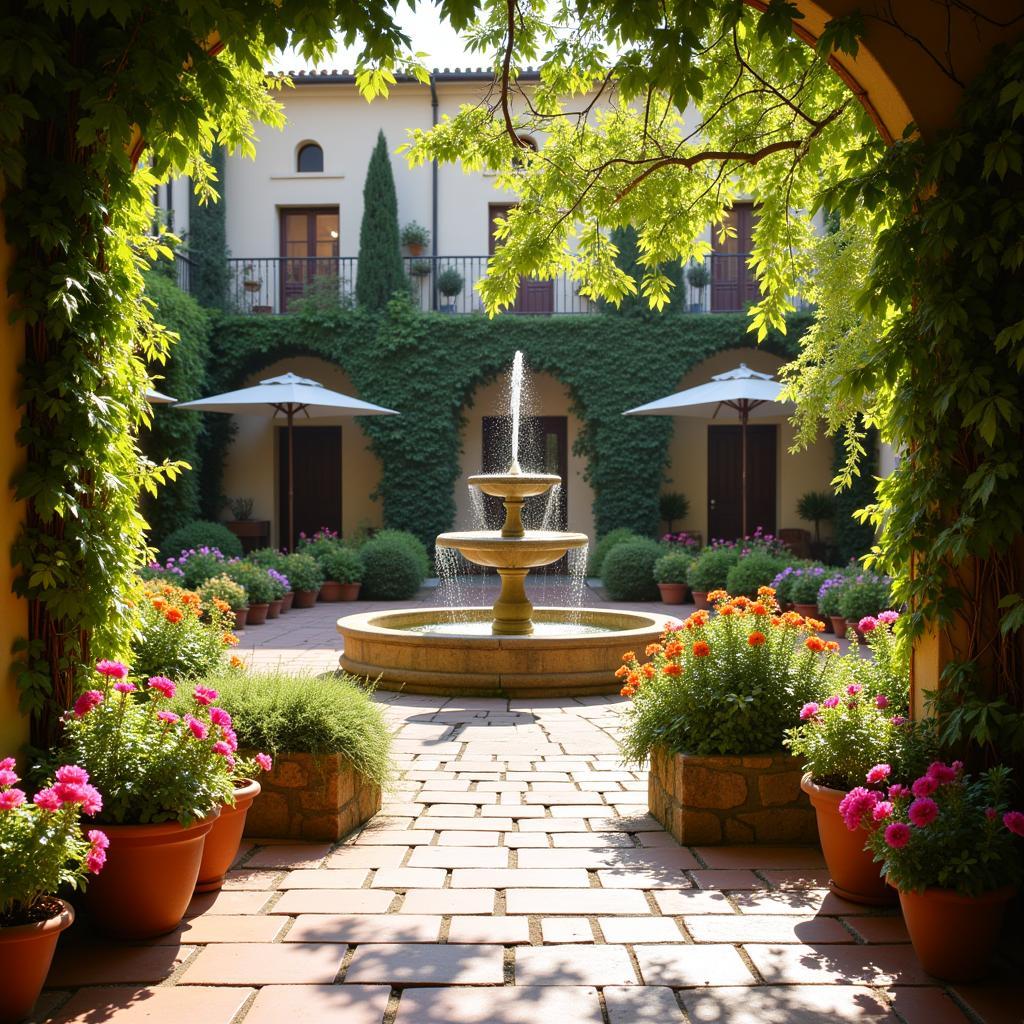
(310, 158)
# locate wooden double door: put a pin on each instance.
(725, 479)
(733, 285)
(532, 296)
(317, 479)
(309, 249)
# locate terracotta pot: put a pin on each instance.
(853, 873)
(148, 880)
(257, 614)
(330, 591)
(700, 599)
(26, 951)
(304, 599)
(286, 601)
(240, 617)
(223, 840)
(672, 593)
(955, 936)
(350, 591)
(274, 608)
(808, 611)
(838, 625)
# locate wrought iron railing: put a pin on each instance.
(183, 272)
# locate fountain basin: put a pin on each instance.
(388, 647)
(516, 486)
(492, 548)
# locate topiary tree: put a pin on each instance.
(380, 273)
(391, 569)
(628, 570)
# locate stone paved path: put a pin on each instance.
(514, 877)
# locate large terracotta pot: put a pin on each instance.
(700, 599)
(304, 599)
(257, 614)
(672, 593)
(853, 873)
(330, 591)
(955, 936)
(350, 591)
(838, 625)
(240, 616)
(274, 609)
(286, 601)
(223, 840)
(808, 611)
(26, 952)
(148, 879)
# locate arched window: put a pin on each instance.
(311, 158)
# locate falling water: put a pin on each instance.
(552, 517)
(577, 582)
(451, 574)
(479, 508)
(515, 400)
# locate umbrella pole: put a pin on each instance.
(744, 414)
(291, 483)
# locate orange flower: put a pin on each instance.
(765, 591)
(758, 608)
(831, 646)
(701, 649)
(648, 670)
(633, 680)
(756, 639)
(674, 649)
(717, 595)
(793, 619)
(221, 606)
(700, 617)
(189, 598)
(653, 649)
(814, 643)
(236, 661)
(741, 601)
(229, 640)
(628, 657)
(159, 603)
(627, 691)
(673, 669)
(173, 615)
(815, 624)
(777, 620)
(725, 609)
(621, 672)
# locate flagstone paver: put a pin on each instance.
(515, 876)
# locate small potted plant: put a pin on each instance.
(43, 849)
(952, 849)
(709, 571)
(164, 778)
(803, 590)
(306, 576)
(281, 586)
(415, 237)
(272, 558)
(223, 588)
(343, 570)
(863, 596)
(828, 602)
(251, 532)
(259, 589)
(672, 506)
(421, 268)
(814, 507)
(250, 278)
(670, 575)
(450, 283)
(698, 275)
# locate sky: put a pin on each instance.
(423, 26)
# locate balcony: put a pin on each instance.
(270, 285)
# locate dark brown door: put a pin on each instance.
(309, 248)
(725, 481)
(543, 448)
(532, 296)
(733, 286)
(317, 480)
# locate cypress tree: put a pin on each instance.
(380, 272)
(207, 243)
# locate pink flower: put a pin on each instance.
(830, 702)
(853, 689)
(95, 859)
(898, 720)
(222, 748)
(957, 766)
(867, 624)
(924, 786)
(220, 717)
(73, 774)
(124, 687)
(7, 764)
(264, 761)
(87, 702)
(231, 739)
(808, 711)
(7, 777)
(11, 798)
(163, 686)
(897, 835)
(881, 701)
(204, 695)
(941, 773)
(47, 799)
(112, 669)
(230, 762)
(882, 810)
(896, 790)
(196, 727)
(858, 802)
(923, 811)
(168, 716)
(879, 772)
(1014, 821)
(79, 793)
(93, 802)
(98, 839)
(888, 618)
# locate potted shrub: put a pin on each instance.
(828, 602)
(803, 589)
(450, 283)
(306, 576)
(698, 275)
(163, 778)
(951, 848)
(670, 575)
(259, 590)
(711, 707)
(280, 586)
(628, 570)
(271, 558)
(344, 571)
(224, 589)
(415, 237)
(709, 572)
(672, 506)
(395, 563)
(421, 268)
(44, 850)
(862, 597)
(751, 572)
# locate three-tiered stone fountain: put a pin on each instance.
(510, 649)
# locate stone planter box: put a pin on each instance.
(709, 800)
(309, 796)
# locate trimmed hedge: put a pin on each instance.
(600, 550)
(628, 570)
(201, 533)
(391, 570)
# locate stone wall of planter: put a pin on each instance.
(710, 800)
(309, 796)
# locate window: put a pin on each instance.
(309, 249)
(311, 158)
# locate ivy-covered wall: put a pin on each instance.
(428, 365)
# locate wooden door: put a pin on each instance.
(309, 248)
(317, 470)
(733, 286)
(725, 467)
(532, 296)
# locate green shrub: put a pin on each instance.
(865, 594)
(342, 565)
(307, 714)
(757, 569)
(599, 552)
(710, 569)
(303, 571)
(672, 568)
(415, 546)
(199, 534)
(224, 588)
(806, 584)
(672, 506)
(199, 566)
(269, 558)
(830, 591)
(392, 571)
(628, 570)
(259, 588)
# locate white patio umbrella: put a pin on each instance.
(751, 394)
(155, 397)
(287, 395)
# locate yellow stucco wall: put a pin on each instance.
(250, 468)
